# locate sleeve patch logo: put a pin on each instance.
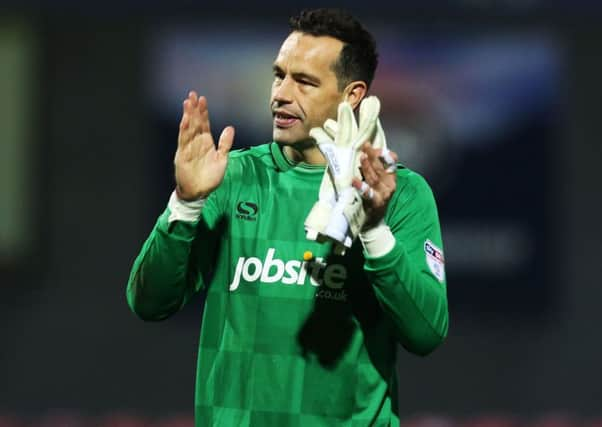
(435, 260)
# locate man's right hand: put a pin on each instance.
(199, 165)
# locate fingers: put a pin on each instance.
(368, 170)
(185, 122)
(188, 105)
(193, 97)
(372, 166)
(226, 140)
(381, 159)
(202, 114)
(374, 157)
(394, 155)
(376, 177)
(388, 160)
(195, 117)
(367, 191)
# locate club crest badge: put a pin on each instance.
(435, 260)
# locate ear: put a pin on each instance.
(355, 92)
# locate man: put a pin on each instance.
(288, 341)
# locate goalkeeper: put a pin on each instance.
(294, 332)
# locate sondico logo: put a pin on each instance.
(293, 272)
(247, 211)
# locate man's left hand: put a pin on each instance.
(378, 186)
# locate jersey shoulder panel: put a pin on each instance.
(411, 184)
(251, 153)
(241, 159)
(413, 197)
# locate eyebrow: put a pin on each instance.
(298, 75)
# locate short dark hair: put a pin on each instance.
(358, 58)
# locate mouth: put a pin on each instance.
(283, 119)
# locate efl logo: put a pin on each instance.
(435, 260)
(293, 272)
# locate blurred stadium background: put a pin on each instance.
(497, 103)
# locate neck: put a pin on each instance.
(304, 152)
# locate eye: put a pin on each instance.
(307, 83)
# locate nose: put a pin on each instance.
(282, 91)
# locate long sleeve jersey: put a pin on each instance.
(285, 341)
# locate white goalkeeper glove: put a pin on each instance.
(319, 216)
(338, 215)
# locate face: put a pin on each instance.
(305, 89)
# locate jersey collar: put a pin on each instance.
(284, 164)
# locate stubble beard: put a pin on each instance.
(300, 143)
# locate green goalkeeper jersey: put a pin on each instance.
(285, 341)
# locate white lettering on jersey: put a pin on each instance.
(274, 270)
(267, 266)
